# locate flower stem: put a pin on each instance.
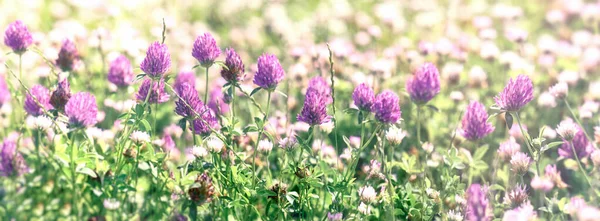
(528, 143)
(73, 175)
(419, 125)
(388, 167)
(206, 88)
(21, 66)
(578, 122)
(579, 163)
(260, 133)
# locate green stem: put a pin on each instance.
(579, 164)
(193, 132)
(73, 175)
(388, 168)
(528, 143)
(232, 105)
(260, 133)
(38, 143)
(206, 88)
(419, 126)
(21, 67)
(578, 122)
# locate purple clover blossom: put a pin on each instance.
(334, 216)
(218, 102)
(157, 93)
(478, 207)
(11, 161)
(425, 84)
(17, 37)
(387, 107)
(320, 85)
(4, 92)
(61, 95)
(188, 102)
(42, 95)
(184, 77)
(517, 93)
(582, 146)
(235, 67)
(474, 122)
(82, 110)
(314, 111)
(120, 72)
(206, 50)
(205, 122)
(269, 73)
(67, 56)
(363, 97)
(157, 61)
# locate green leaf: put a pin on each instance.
(346, 140)
(281, 92)
(222, 64)
(250, 128)
(509, 120)
(459, 166)
(350, 111)
(87, 171)
(480, 152)
(550, 146)
(497, 187)
(139, 109)
(492, 116)
(146, 125)
(433, 108)
(480, 165)
(167, 78)
(144, 166)
(254, 91)
(139, 76)
(182, 123)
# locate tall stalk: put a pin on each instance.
(260, 133)
(528, 143)
(206, 88)
(578, 122)
(587, 179)
(73, 175)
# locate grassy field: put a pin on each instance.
(300, 110)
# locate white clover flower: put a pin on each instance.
(139, 137)
(433, 194)
(111, 204)
(199, 151)
(288, 143)
(567, 130)
(327, 127)
(595, 156)
(346, 154)
(367, 194)
(547, 100)
(457, 96)
(264, 146)
(520, 163)
(364, 208)
(460, 200)
(560, 90)
(455, 215)
(428, 147)
(40, 122)
(395, 135)
(214, 145)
